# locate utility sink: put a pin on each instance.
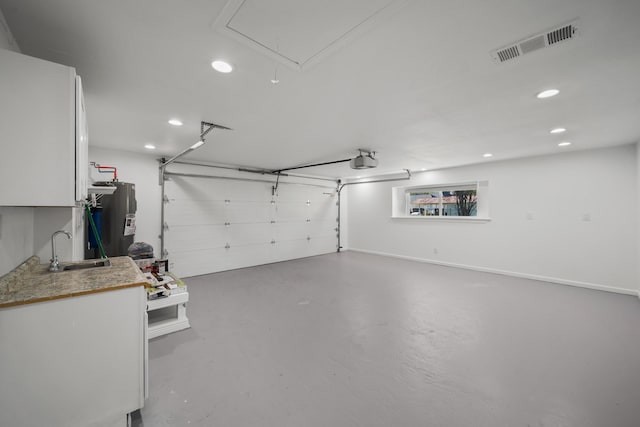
(85, 265)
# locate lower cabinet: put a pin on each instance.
(76, 361)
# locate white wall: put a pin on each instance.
(27, 231)
(637, 261)
(16, 224)
(344, 215)
(141, 170)
(583, 228)
(16, 237)
(6, 38)
(48, 220)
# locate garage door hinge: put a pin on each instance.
(165, 254)
(308, 237)
(165, 226)
(165, 198)
(273, 242)
(227, 246)
(308, 220)
(227, 223)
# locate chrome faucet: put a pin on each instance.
(55, 264)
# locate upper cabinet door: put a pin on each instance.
(82, 144)
(37, 132)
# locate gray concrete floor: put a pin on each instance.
(359, 340)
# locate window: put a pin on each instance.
(455, 201)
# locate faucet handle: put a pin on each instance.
(55, 264)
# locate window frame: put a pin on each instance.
(401, 201)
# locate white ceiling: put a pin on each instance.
(300, 33)
(418, 85)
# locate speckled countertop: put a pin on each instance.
(32, 282)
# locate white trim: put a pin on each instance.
(442, 218)
(166, 327)
(441, 187)
(555, 280)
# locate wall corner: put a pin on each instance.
(6, 38)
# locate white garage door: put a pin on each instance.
(221, 224)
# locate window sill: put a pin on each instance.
(443, 218)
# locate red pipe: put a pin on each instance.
(111, 169)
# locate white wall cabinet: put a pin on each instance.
(76, 361)
(43, 133)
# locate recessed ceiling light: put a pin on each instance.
(564, 144)
(222, 66)
(487, 155)
(175, 122)
(150, 146)
(557, 130)
(423, 169)
(548, 93)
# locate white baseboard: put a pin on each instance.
(506, 273)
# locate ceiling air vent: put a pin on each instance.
(548, 38)
(508, 53)
(561, 34)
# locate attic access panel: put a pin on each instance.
(299, 33)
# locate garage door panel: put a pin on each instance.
(291, 211)
(248, 191)
(291, 249)
(321, 224)
(216, 225)
(195, 213)
(322, 245)
(250, 234)
(292, 193)
(248, 211)
(244, 256)
(323, 213)
(203, 237)
(194, 263)
(291, 231)
(187, 188)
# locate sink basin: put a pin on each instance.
(85, 265)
